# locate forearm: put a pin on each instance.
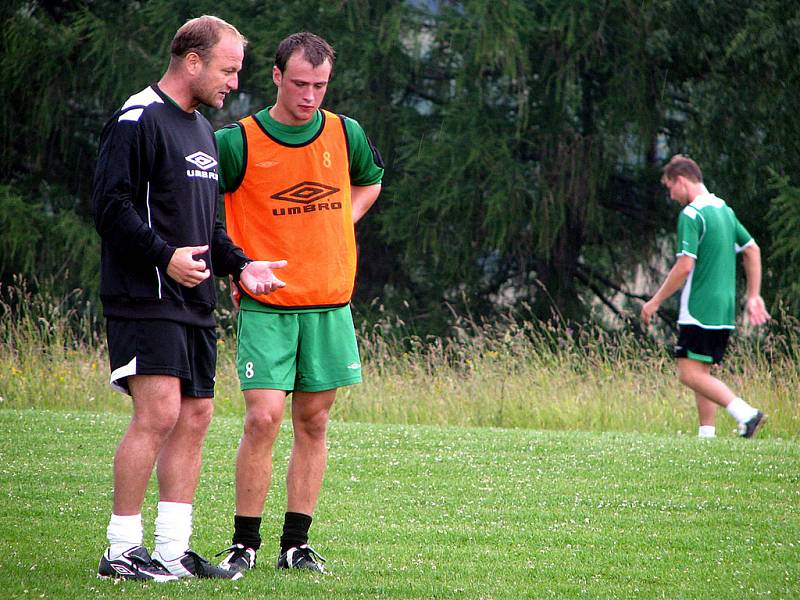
(118, 222)
(674, 281)
(226, 257)
(362, 198)
(752, 268)
(756, 310)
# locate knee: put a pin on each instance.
(158, 423)
(314, 426)
(199, 413)
(262, 425)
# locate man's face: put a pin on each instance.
(301, 89)
(678, 189)
(219, 73)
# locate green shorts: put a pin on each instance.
(307, 352)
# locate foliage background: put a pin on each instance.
(523, 139)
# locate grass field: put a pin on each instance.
(432, 512)
(518, 459)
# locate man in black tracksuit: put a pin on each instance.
(155, 208)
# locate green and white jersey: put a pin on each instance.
(709, 232)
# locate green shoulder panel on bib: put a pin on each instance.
(230, 146)
(366, 166)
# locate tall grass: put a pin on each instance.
(51, 354)
(508, 373)
(550, 376)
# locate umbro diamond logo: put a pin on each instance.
(202, 160)
(205, 162)
(305, 192)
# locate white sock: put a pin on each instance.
(741, 410)
(707, 431)
(173, 529)
(124, 532)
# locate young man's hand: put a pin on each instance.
(648, 310)
(258, 278)
(756, 311)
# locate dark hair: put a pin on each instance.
(682, 166)
(315, 49)
(200, 35)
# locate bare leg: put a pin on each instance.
(262, 422)
(310, 449)
(156, 406)
(706, 410)
(181, 456)
(697, 376)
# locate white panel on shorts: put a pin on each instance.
(122, 372)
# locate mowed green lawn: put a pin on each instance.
(432, 512)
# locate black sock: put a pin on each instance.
(295, 530)
(246, 531)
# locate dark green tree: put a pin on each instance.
(534, 174)
(523, 140)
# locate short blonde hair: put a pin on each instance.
(200, 35)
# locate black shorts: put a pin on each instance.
(703, 345)
(159, 347)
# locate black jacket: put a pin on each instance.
(155, 190)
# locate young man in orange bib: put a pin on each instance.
(296, 180)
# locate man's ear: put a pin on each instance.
(193, 63)
(277, 76)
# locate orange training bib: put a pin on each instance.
(294, 204)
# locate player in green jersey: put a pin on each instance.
(709, 237)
